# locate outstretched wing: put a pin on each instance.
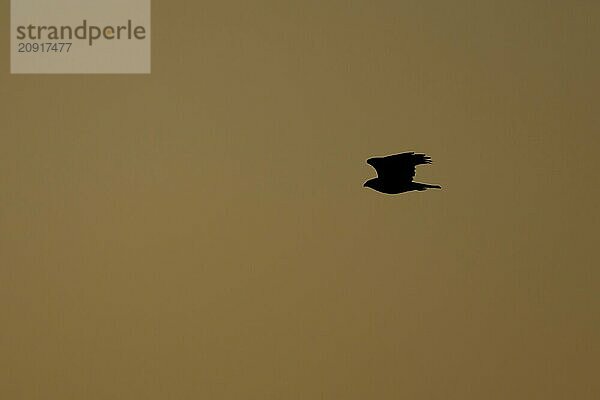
(399, 167)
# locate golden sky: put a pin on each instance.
(202, 232)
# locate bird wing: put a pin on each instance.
(400, 167)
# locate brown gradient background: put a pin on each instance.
(202, 232)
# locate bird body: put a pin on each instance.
(395, 173)
(394, 187)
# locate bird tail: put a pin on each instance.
(424, 186)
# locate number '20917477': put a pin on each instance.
(44, 47)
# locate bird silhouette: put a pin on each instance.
(395, 173)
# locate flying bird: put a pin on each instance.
(395, 173)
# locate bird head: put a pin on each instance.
(370, 183)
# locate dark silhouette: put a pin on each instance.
(395, 173)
